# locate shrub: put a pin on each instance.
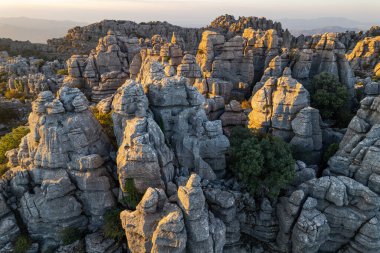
(62, 72)
(112, 225)
(9, 94)
(22, 244)
(264, 163)
(330, 151)
(132, 197)
(70, 235)
(11, 140)
(3, 168)
(105, 120)
(329, 95)
(166, 58)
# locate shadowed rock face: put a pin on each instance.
(61, 178)
(357, 156)
(330, 214)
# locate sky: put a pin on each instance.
(188, 13)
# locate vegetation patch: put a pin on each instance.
(112, 225)
(264, 163)
(330, 151)
(10, 141)
(132, 198)
(105, 120)
(62, 72)
(70, 235)
(330, 97)
(22, 244)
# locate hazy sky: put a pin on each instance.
(185, 12)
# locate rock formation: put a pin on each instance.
(365, 56)
(281, 107)
(357, 153)
(198, 143)
(174, 95)
(143, 155)
(325, 54)
(62, 178)
(105, 69)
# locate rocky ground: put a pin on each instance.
(173, 95)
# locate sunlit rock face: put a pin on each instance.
(325, 54)
(62, 177)
(281, 107)
(365, 56)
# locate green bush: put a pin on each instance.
(62, 72)
(22, 244)
(112, 225)
(132, 197)
(330, 151)
(70, 235)
(329, 96)
(10, 141)
(105, 120)
(264, 163)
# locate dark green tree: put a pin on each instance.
(264, 163)
(329, 96)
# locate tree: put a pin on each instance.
(264, 163)
(329, 96)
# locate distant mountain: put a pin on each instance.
(322, 30)
(34, 30)
(322, 25)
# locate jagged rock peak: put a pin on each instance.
(228, 23)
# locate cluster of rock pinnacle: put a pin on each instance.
(175, 94)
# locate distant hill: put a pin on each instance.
(34, 30)
(322, 25)
(322, 30)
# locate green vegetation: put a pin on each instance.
(329, 96)
(70, 234)
(330, 151)
(112, 225)
(10, 141)
(132, 197)
(264, 163)
(17, 93)
(105, 120)
(62, 72)
(22, 244)
(3, 82)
